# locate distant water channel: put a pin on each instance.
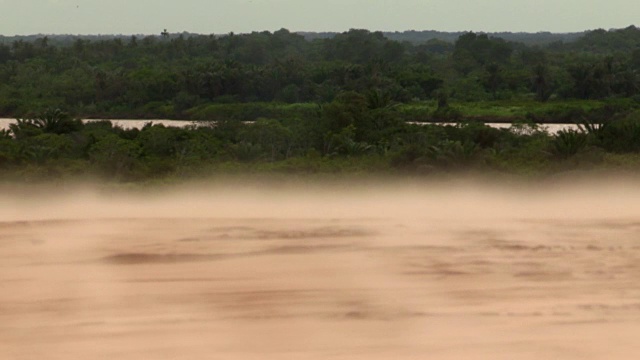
(125, 123)
(129, 123)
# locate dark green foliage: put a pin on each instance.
(114, 156)
(268, 139)
(355, 130)
(541, 82)
(476, 133)
(51, 121)
(282, 101)
(159, 141)
(56, 122)
(621, 135)
(215, 78)
(44, 147)
(24, 128)
(9, 152)
(569, 142)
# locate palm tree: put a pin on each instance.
(51, 121)
(57, 122)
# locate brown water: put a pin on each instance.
(384, 272)
(125, 123)
(4, 124)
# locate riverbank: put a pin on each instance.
(342, 139)
(139, 124)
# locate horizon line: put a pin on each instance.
(320, 32)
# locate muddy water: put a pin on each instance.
(376, 273)
(125, 123)
(4, 124)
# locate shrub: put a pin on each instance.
(622, 135)
(567, 143)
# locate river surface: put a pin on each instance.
(126, 123)
(377, 273)
(4, 124)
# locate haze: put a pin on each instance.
(223, 16)
(462, 271)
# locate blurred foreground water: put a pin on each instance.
(380, 273)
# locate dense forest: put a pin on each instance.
(292, 102)
(182, 76)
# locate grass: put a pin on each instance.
(506, 110)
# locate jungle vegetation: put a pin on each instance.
(349, 102)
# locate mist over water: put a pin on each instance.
(465, 270)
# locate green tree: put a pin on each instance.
(541, 82)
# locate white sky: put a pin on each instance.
(222, 16)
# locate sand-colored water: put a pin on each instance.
(139, 124)
(390, 272)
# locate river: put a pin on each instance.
(131, 123)
(382, 273)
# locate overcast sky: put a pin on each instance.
(223, 16)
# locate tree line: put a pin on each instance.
(178, 75)
(351, 134)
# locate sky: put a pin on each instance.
(24, 17)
